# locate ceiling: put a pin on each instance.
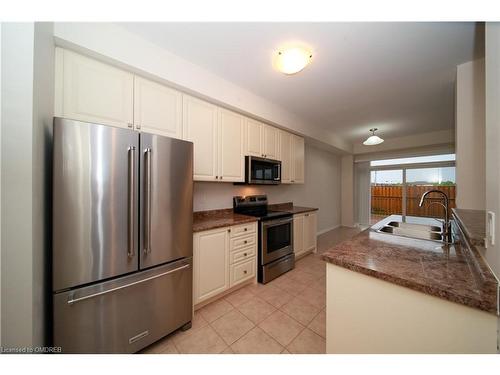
(398, 77)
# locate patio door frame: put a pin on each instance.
(404, 168)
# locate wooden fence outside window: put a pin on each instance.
(388, 199)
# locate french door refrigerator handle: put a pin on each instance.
(147, 201)
(131, 201)
(72, 301)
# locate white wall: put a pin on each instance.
(321, 189)
(27, 92)
(493, 137)
(114, 44)
(362, 193)
(347, 191)
(470, 135)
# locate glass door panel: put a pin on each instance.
(418, 181)
(386, 194)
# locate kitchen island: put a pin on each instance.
(393, 294)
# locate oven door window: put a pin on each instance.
(264, 170)
(278, 237)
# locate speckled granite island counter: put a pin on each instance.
(393, 294)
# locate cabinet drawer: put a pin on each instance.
(244, 254)
(242, 229)
(242, 241)
(242, 272)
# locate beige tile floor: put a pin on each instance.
(284, 316)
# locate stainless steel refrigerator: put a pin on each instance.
(122, 237)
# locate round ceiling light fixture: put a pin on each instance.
(373, 139)
(292, 60)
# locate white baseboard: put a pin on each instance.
(327, 229)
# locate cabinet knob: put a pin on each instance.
(138, 126)
(216, 177)
(129, 125)
(221, 177)
(229, 231)
(246, 229)
(245, 241)
(244, 254)
(245, 272)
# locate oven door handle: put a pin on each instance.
(273, 223)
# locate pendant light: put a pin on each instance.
(373, 139)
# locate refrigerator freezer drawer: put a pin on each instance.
(126, 314)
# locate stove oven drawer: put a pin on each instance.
(243, 241)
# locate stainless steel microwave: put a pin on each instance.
(262, 171)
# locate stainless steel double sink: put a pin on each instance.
(420, 231)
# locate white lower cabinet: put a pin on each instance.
(223, 258)
(304, 233)
(211, 255)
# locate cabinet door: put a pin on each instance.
(200, 127)
(297, 159)
(211, 260)
(310, 231)
(270, 143)
(157, 108)
(89, 90)
(285, 156)
(253, 138)
(231, 155)
(298, 234)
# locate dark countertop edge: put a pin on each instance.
(426, 289)
(475, 240)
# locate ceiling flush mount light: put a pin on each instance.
(373, 139)
(292, 60)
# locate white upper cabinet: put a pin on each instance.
(285, 156)
(200, 127)
(89, 90)
(270, 142)
(231, 155)
(261, 140)
(157, 108)
(253, 137)
(297, 155)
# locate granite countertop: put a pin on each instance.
(452, 272)
(289, 207)
(473, 224)
(205, 220)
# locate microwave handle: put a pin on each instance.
(279, 173)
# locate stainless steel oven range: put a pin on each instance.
(276, 254)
